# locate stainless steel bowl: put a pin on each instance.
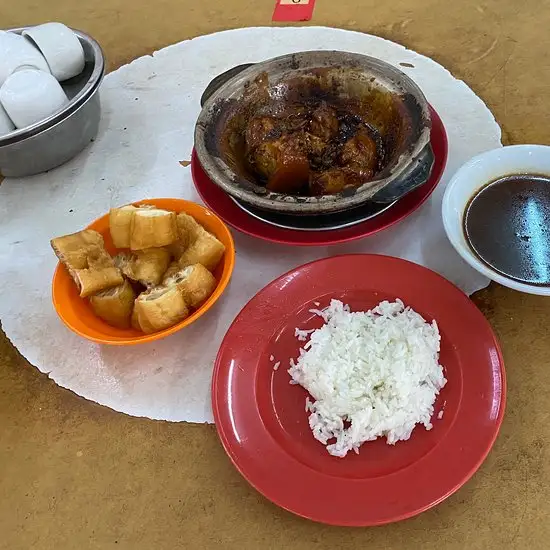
(395, 104)
(58, 138)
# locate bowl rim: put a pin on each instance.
(287, 203)
(229, 257)
(448, 214)
(76, 102)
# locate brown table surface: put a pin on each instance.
(77, 475)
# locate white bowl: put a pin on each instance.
(473, 176)
(15, 52)
(6, 124)
(61, 48)
(29, 96)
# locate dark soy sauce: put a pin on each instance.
(507, 224)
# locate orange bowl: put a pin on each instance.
(77, 313)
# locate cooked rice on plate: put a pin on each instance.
(369, 373)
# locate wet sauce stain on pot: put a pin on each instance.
(507, 225)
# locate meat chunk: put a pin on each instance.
(295, 118)
(268, 128)
(270, 156)
(290, 178)
(261, 129)
(359, 155)
(324, 122)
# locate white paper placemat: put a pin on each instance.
(149, 110)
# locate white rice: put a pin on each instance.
(302, 334)
(370, 374)
(276, 365)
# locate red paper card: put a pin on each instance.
(293, 10)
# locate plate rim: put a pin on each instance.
(463, 478)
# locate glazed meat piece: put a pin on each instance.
(270, 156)
(290, 178)
(324, 122)
(267, 128)
(359, 155)
(261, 129)
(284, 162)
(311, 143)
(332, 181)
(295, 118)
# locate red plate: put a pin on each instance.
(218, 201)
(262, 422)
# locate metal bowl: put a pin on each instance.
(58, 138)
(394, 104)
